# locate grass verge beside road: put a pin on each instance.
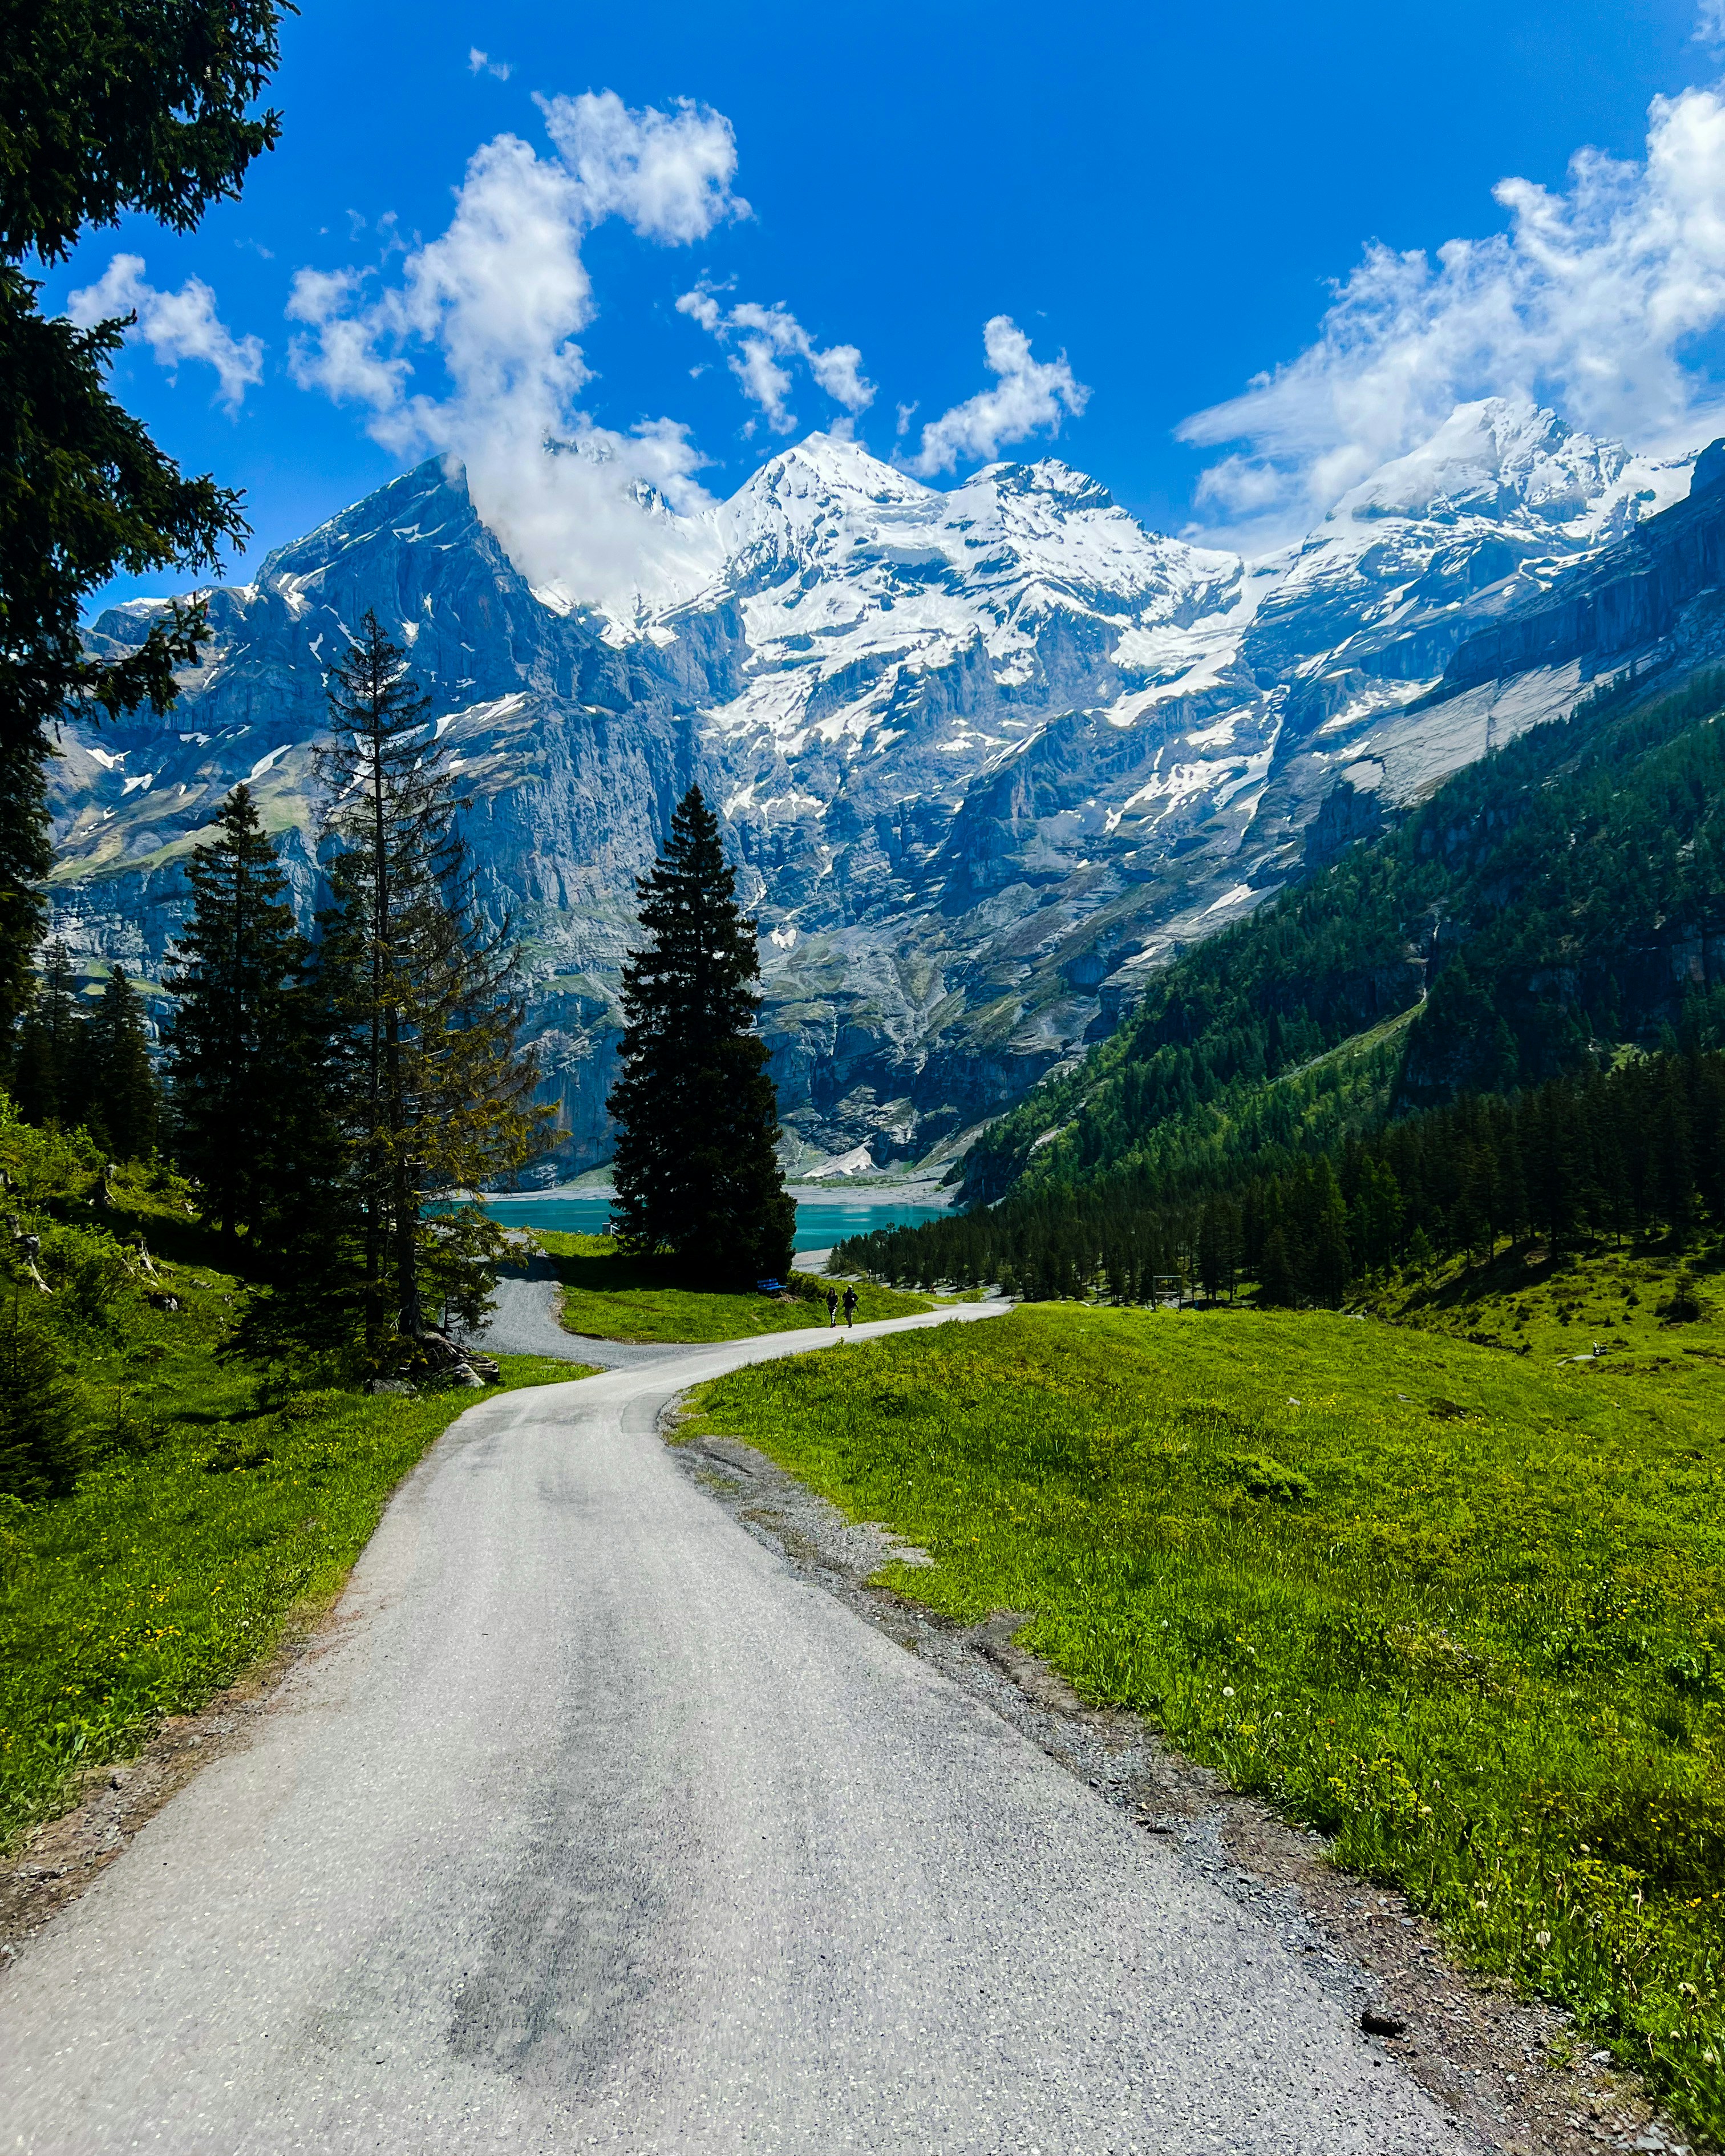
(211, 1519)
(608, 1296)
(1463, 1610)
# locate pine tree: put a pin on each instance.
(1472, 1226)
(50, 1058)
(437, 1093)
(1219, 1246)
(235, 1050)
(1326, 1257)
(34, 1086)
(1276, 1275)
(25, 858)
(698, 1179)
(119, 1080)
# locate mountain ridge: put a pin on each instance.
(985, 754)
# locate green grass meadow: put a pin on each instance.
(215, 1511)
(609, 1296)
(1462, 1609)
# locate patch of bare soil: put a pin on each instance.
(1513, 2070)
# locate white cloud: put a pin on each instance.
(499, 299)
(705, 309)
(478, 63)
(176, 325)
(344, 362)
(762, 337)
(1030, 395)
(1595, 301)
(667, 174)
(1710, 24)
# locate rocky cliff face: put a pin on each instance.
(984, 754)
(1655, 595)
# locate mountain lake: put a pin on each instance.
(822, 1220)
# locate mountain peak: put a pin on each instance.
(1486, 456)
(1068, 488)
(1509, 460)
(837, 462)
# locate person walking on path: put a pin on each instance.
(832, 1306)
(849, 1305)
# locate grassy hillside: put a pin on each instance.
(1643, 1310)
(608, 1296)
(1463, 1610)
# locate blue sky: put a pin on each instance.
(1167, 195)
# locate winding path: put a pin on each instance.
(593, 1827)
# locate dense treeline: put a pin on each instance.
(1554, 899)
(1638, 1150)
(323, 1092)
(89, 1069)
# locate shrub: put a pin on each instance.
(1681, 1306)
(87, 1271)
(39, 1451)
(1261, 1477)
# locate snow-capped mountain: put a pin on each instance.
(984, 751)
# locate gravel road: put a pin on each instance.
(592, 1826)
(525, 1321)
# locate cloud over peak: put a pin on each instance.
(1593, 301)
(761, 338)
(500, 298)
(1028, 396)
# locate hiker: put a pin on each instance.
(850, 1305)
(832, 1306)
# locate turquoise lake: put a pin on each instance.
(821, 1222)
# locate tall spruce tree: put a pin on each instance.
(698, 1178)
(436, 1091)
(119, 1088)
(26, 857)
(240, 1057)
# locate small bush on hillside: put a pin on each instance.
(45, 1165)
(87, 1271)
(12, 1542)
(319, 1406)
(39, 1452)
(1260, 1476)
(1683, 1306)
